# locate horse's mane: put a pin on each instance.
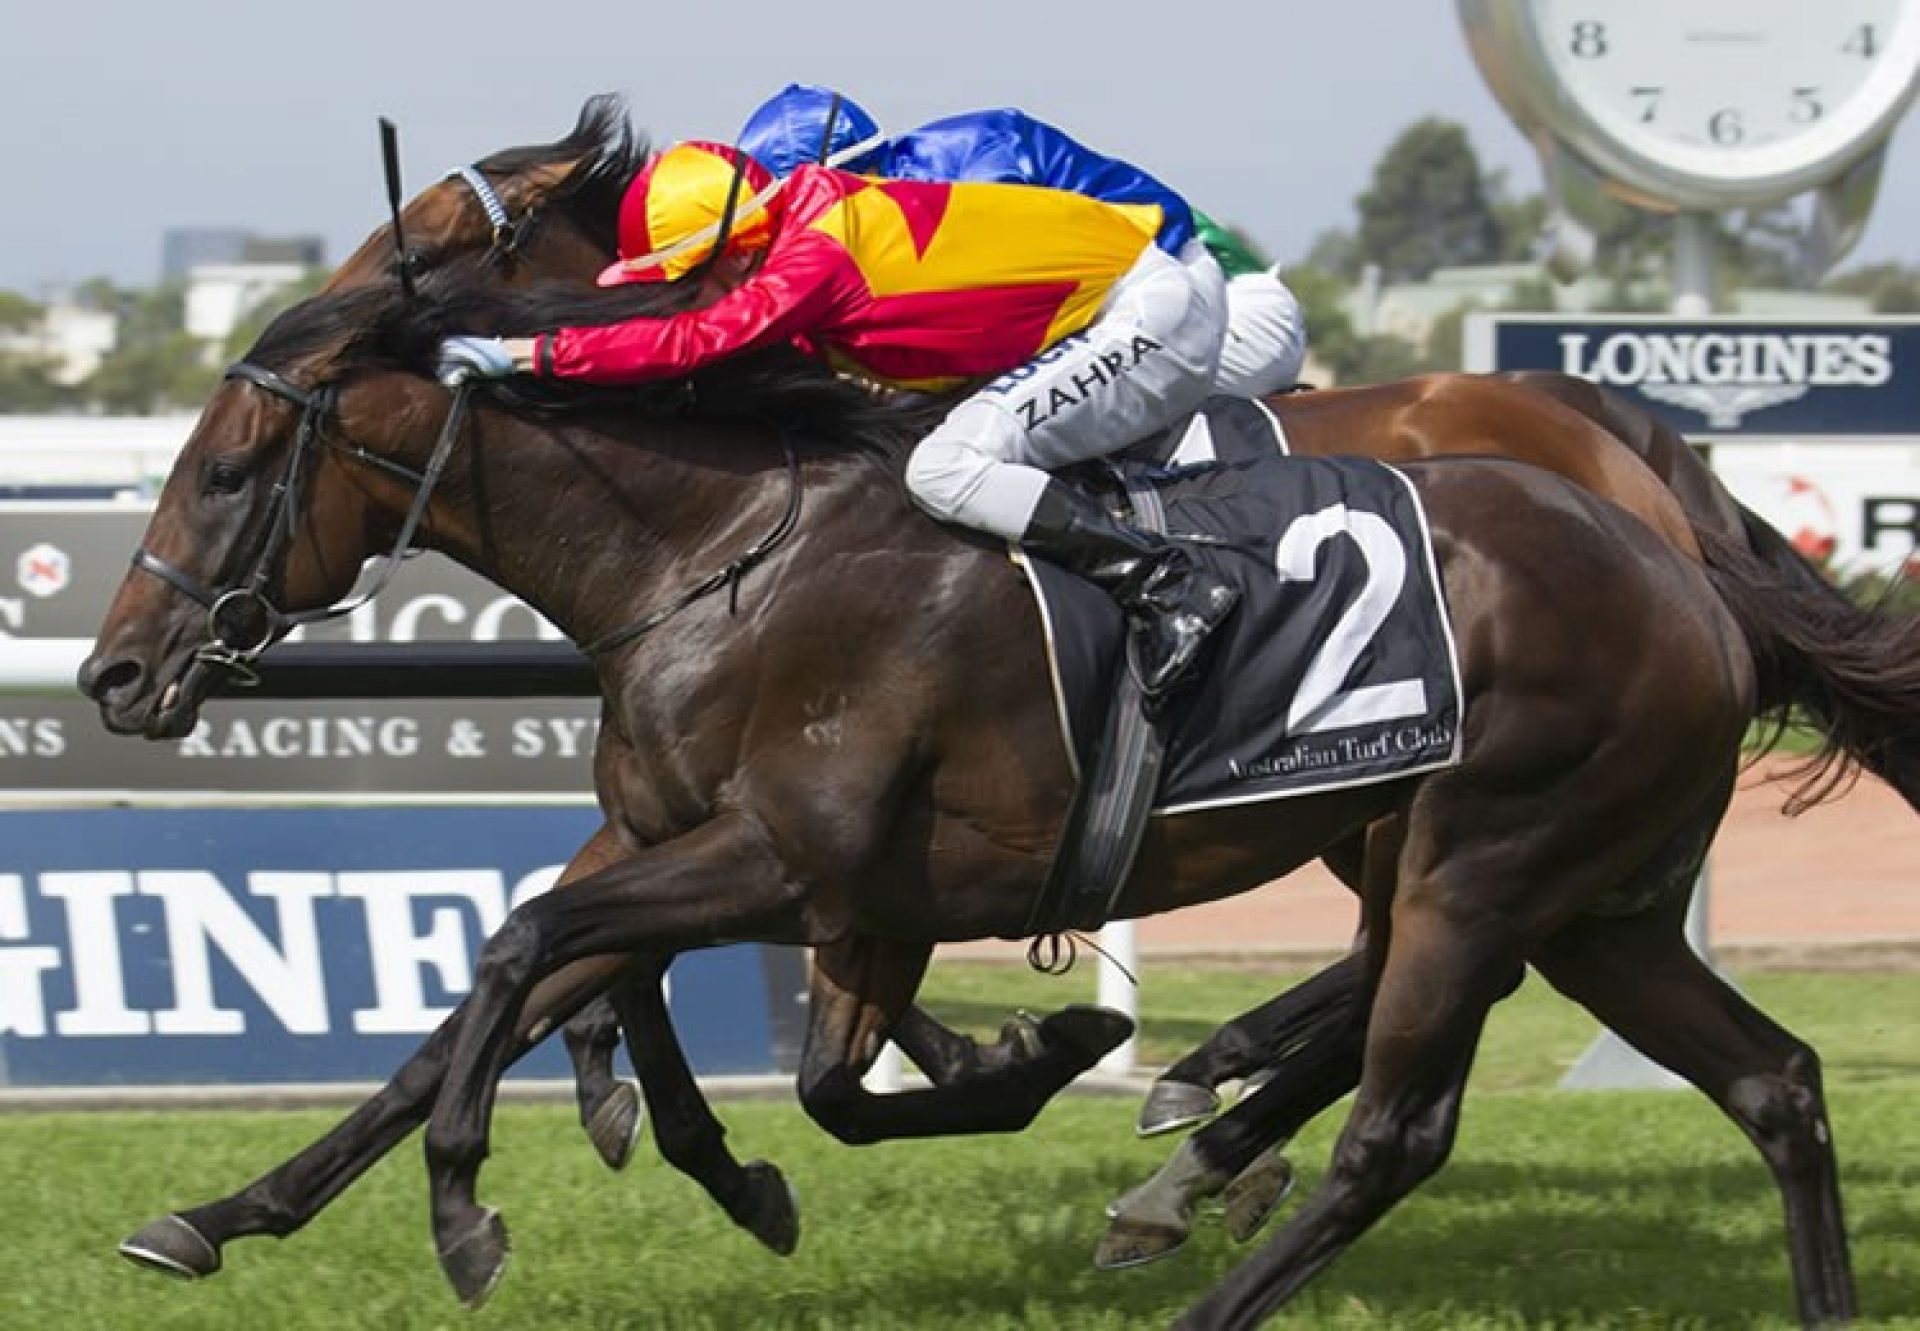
(606, 153)
(376, 327)
(777, 386)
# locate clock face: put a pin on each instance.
(1726, 91)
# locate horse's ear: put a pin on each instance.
(390, 156)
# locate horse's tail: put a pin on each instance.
(1853, 671)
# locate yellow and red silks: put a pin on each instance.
(917, 284)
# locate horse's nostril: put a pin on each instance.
(114, 679)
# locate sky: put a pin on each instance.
(123, 119)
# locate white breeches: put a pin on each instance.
(1266, 338)
(1147, 360)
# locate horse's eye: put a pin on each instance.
(226, 478)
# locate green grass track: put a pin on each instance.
(1558, 1210)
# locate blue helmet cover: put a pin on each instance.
(786, 131)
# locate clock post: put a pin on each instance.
(1693, 108)
(1694, 287)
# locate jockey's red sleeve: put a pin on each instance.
(803, 287)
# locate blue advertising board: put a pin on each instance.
(148, 947)
(1728, 378)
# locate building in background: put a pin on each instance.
(220, 295)
(227, 272)
(184, 248)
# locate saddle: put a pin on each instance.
(1337, 669)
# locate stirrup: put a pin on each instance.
(1190, 630)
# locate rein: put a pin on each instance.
(729, 576)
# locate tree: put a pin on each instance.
(1890, 288)
(155, 374)
(28, 386)
(155, 365)
(17, 313)
(1329, 331)
(1520, 220)
(1428, 206)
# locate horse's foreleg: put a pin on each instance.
(755, 1195)
(609, 1106)
(1270, 1041)
(1314, 1057)
(862, 990)
(1253, 1043)
(949, 1057)
(723, 880)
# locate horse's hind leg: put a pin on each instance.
(862, 989)
(755, 1195)
(1640, 977)
(1445, 967)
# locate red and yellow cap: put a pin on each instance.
(670, 216)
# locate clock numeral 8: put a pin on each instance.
(1589, 39)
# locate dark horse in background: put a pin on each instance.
(560, 201)
(1608, 680)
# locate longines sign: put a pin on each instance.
(59, 567)
(1728, 378)
(182, 946)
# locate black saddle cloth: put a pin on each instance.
(1337, 668)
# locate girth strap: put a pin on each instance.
(1115, 796)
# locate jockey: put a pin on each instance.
(1097, 335)
(1266, 342)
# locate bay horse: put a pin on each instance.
(558, 200)
(1824, 654)
(1607, 684)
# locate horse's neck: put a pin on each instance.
(596, 531)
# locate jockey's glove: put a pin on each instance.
(465, 358)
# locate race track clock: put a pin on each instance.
(1704, 105)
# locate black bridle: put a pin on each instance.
(242, 619)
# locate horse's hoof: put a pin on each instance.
(1020, 1036)
(614, 1128)
(476, 1260)
(172, 1247)
(1256, 1194)
(1135, 1243)
(772, 1210)
(1172, 1105)
(1091, 1033)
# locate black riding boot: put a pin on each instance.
(1171, 599)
